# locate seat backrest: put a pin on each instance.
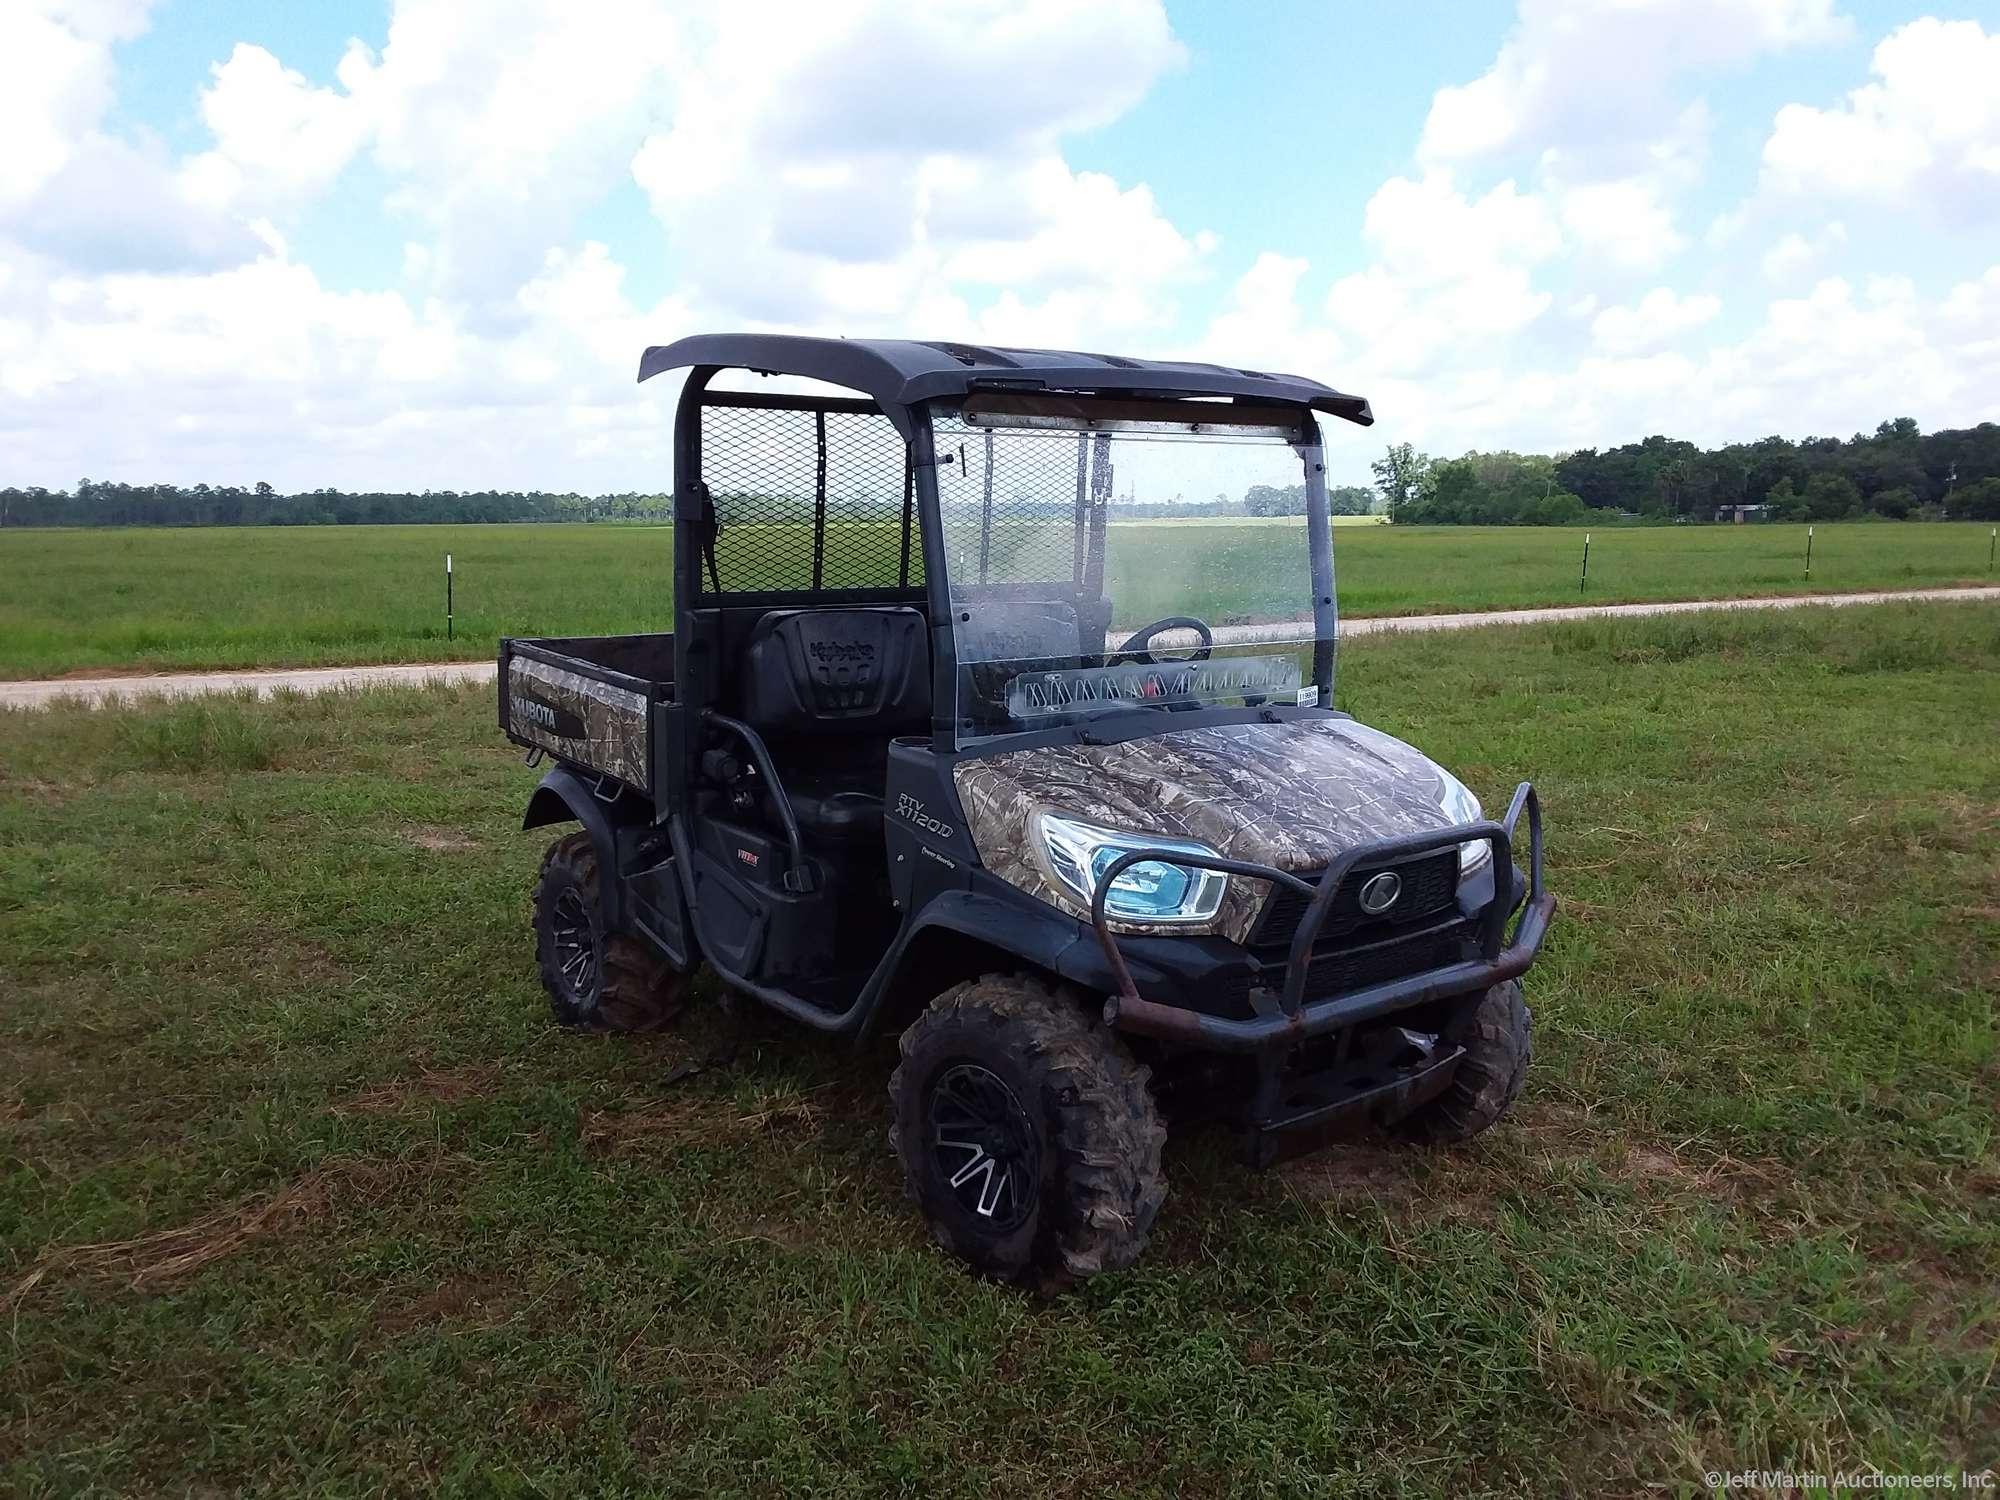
(838, 671)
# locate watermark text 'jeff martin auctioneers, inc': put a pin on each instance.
(1959, 1481)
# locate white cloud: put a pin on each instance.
(1590, 91)
(1592, 76)
(68, 190)
(1837, 359)
(851, 206)
(1627, 223)
(1928, 128)
(1794, 253)
(278, 139)
(794, 189)
(114, 207)
(1659, 317)
(1450, 270)
(1449, 329)
(1262, 325)
(262, 372)
(1432, 232)
(55, 84)
(499, 132)
(871, 168)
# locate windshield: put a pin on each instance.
(1158, 565)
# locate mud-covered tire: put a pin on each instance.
(1496, 1032)
(1096, 1132)
(596, 980)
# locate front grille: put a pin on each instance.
(1337, 973)
(1357, 968)
(1430, 882)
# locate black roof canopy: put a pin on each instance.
(903, 372)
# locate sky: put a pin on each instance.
(412, 244)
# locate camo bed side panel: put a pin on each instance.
(1293, 795)
(580, 719)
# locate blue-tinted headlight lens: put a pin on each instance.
(1154, 890)
(1151, 889)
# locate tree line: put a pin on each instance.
(1895, 473)
(98, 503)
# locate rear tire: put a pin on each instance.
(596, 980)
(1028, 1136)
(1496, 1032)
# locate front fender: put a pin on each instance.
(1026, 932)
(1029, 929)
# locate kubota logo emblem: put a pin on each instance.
(557, 721)
(1379, 892)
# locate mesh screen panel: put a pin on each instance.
(1008, 501)
(808, 500)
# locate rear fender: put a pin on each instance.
(565, 797)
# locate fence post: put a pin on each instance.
(1809, 532)
(1585, 578)
(447, 596)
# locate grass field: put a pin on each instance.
(148, 600)
(299, 1191)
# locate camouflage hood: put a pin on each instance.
(1293, 795)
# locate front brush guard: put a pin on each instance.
(1501, 957)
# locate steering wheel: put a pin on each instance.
(1138, 645)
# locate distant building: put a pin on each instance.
(1741, 513)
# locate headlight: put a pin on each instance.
(1462, 807)
(1154, 890)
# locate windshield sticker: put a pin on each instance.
(1033, 694)
(1309, 696)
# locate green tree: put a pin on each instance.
(1896, 504)
(1786, 503)
(1828, 497)
(1557, 508)
(1403, 476)
(1977, 502)
(1269, 500)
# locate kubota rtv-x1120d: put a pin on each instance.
(940, 743)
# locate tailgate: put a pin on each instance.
(577, 711)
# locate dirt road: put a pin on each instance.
(103, 690)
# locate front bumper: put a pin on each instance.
(1287, 1018)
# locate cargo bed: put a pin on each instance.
(589, 701)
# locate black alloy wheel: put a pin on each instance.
(984, 1145)
(574, 937)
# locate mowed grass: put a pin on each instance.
(301, 596)
(301, 1192)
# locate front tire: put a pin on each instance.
(1496, 1032)
(596, 980)
(1027, 1136)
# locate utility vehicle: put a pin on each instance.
(942, 743)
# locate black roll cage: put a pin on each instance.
(901, 379)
